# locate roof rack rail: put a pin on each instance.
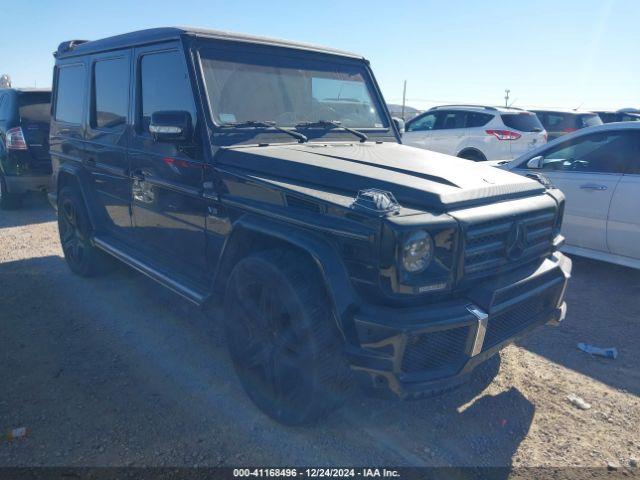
(67, 46)
(486, 107)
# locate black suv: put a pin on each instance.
(24, 143)
(269, 176)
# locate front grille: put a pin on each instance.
(490, 247)
(436, 350)
(511, 322)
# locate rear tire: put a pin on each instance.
(283, 338)
(473, 155)
(8, 200)
(75, 236)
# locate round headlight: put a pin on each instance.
(417, 252)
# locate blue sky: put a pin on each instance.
(548, 53)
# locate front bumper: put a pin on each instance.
(419, 350)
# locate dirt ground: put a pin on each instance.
(119, 371)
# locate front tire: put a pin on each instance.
(283, 338)
(75, 236)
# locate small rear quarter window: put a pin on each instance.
(70, 93)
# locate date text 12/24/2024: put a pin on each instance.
(316, 472)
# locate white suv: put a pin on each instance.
(476, 132)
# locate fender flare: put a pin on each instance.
(77, 173)
(471, 149)
(330, 266)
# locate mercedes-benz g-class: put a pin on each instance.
(269, 176)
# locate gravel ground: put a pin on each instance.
(119, 371)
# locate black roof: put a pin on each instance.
(153, 35)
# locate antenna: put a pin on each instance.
(578, 107)
(512, 103)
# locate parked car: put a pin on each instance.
(617, 116)
(25, 164)
(475, 132)
(268, 175)
(598, 169)
(561, 122)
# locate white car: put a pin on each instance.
(598, 169)
(475, 132)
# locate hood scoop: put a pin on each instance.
(379, 202)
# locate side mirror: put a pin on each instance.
(536, 163)
(170, 126)
(399, 124)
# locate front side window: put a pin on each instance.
(289, 91)
(424, 123)
(601, 153)
(110, 93)
(165, 86)
(69, 95)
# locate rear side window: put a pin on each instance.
(475, 119)
(69, 94)
(523, 122)
(589, 120)
(34, 107)
(450, 120)
(164, 86)
(110, 93)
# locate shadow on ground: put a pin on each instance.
(34, 209)
(117, 370)
(604, 310)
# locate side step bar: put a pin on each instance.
(193, 294)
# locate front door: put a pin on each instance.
(587, 169)
(168, 207)
(623, 226)
(418, 132)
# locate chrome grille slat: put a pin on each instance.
(486, 242)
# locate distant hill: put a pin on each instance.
(396, 111)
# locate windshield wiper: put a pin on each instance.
(331, 124)
(256, 123)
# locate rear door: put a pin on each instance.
(623, 225)
(587, 169)
(34, 117)
(531, 131)
(107, 138)
(418, 131)
(168, 207)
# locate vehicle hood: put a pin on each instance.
(416, 177)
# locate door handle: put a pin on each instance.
(593, 186)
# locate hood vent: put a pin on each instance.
(376, 201)
(300, 203)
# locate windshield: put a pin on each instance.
(288, 91)
(589, 120)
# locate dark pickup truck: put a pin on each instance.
(269, 176)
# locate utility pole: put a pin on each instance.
(506, 97)
(404, 98)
